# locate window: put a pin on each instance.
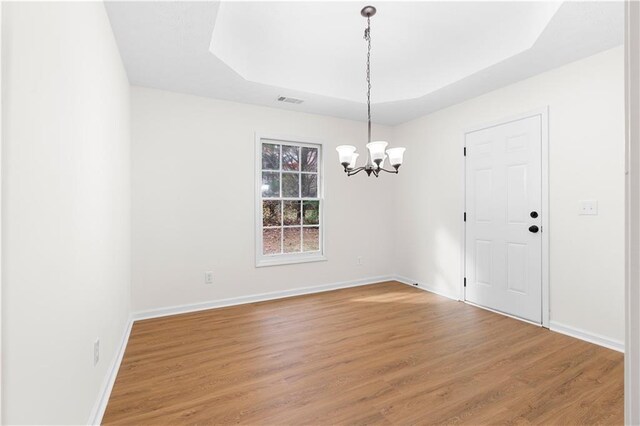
(289, 205)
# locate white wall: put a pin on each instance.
(65, 210)
(586, 127)
(193, 201)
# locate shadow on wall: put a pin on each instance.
(448, 261)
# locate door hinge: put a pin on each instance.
(465, 281)
(465, 151)
(465, 216)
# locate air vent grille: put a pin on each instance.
(290, 100)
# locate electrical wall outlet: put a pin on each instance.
(359, 261)
(96, 352)
(208, 277)
(588, 207)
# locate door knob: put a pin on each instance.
(534, 229)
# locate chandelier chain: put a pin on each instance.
(367, 37)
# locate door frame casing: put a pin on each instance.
(543, 112)
(632, 214)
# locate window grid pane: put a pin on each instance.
(309, 159)
(290, 185)
(270, 156)
(292, 241)
(290, 158)
(311, 239)
(309, 186)
(291, 214)
(272, 241)
(310, 212)
(270, 184)
(271, 213)
(299, 224)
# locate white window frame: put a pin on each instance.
(287, 258)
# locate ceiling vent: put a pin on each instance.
(290, 100)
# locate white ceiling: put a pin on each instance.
(417, 47)
(426, 55)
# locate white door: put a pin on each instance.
(503, 266)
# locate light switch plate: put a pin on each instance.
(588, 207)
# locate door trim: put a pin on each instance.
(632, 204)
(544, 131)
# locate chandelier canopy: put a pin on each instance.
(376, 155)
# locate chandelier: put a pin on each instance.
(376, 156)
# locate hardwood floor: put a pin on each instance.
(378, 354)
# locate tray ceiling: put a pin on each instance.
(426, 55)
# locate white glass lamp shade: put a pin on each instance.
(395, 156)
(376, 150)
(345, 153)
(354, 158)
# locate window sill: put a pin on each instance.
(289, 260)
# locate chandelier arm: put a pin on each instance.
(389, 171)
(354, 171)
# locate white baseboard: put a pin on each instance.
(107, 386)
(194, 307)
(586, 336)
(425, 287)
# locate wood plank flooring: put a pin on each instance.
(378, 354)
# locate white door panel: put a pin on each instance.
(503, 265)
